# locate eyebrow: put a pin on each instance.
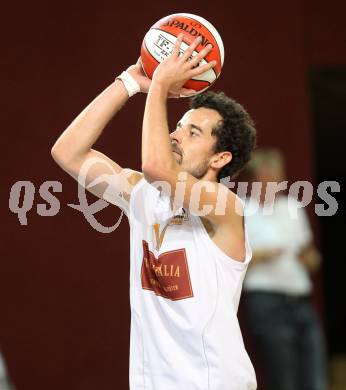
(196, 127)
(192, 126)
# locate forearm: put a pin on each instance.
(310, 257)
(265, 255)
(156, 144)
(77, 140)
(259, 256)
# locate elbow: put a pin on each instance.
(57, 154)
(54, 152)
(60, 156)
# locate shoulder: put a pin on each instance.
(229, 207)
(230, 228)
(234, 204)
(291, 206)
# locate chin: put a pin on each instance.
(178, 158)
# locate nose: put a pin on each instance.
(177, 136)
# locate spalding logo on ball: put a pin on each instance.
(159, 42)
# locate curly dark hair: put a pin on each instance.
(235, 133)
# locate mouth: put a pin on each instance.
(176, 151)
(177, 156)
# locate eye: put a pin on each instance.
(193, 133)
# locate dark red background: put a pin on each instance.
(63, 286)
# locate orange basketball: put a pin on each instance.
(159, 42)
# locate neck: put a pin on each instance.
(210, 175)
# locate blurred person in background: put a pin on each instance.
(4, 381)
(281, 319)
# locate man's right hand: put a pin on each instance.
(137, 72)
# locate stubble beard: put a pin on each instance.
(199, 170)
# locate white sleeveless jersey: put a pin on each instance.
(184, 294)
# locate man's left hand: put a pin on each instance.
(177, 69)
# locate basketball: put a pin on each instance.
(159, 42)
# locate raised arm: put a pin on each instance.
(74, 146)
(158, 163)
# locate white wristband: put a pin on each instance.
(130, 84)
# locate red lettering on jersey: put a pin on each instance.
(168, 276)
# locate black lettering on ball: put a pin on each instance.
(195, 24)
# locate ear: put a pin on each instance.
(221, 159)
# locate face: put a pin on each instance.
(267, 174)
(192, 141)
